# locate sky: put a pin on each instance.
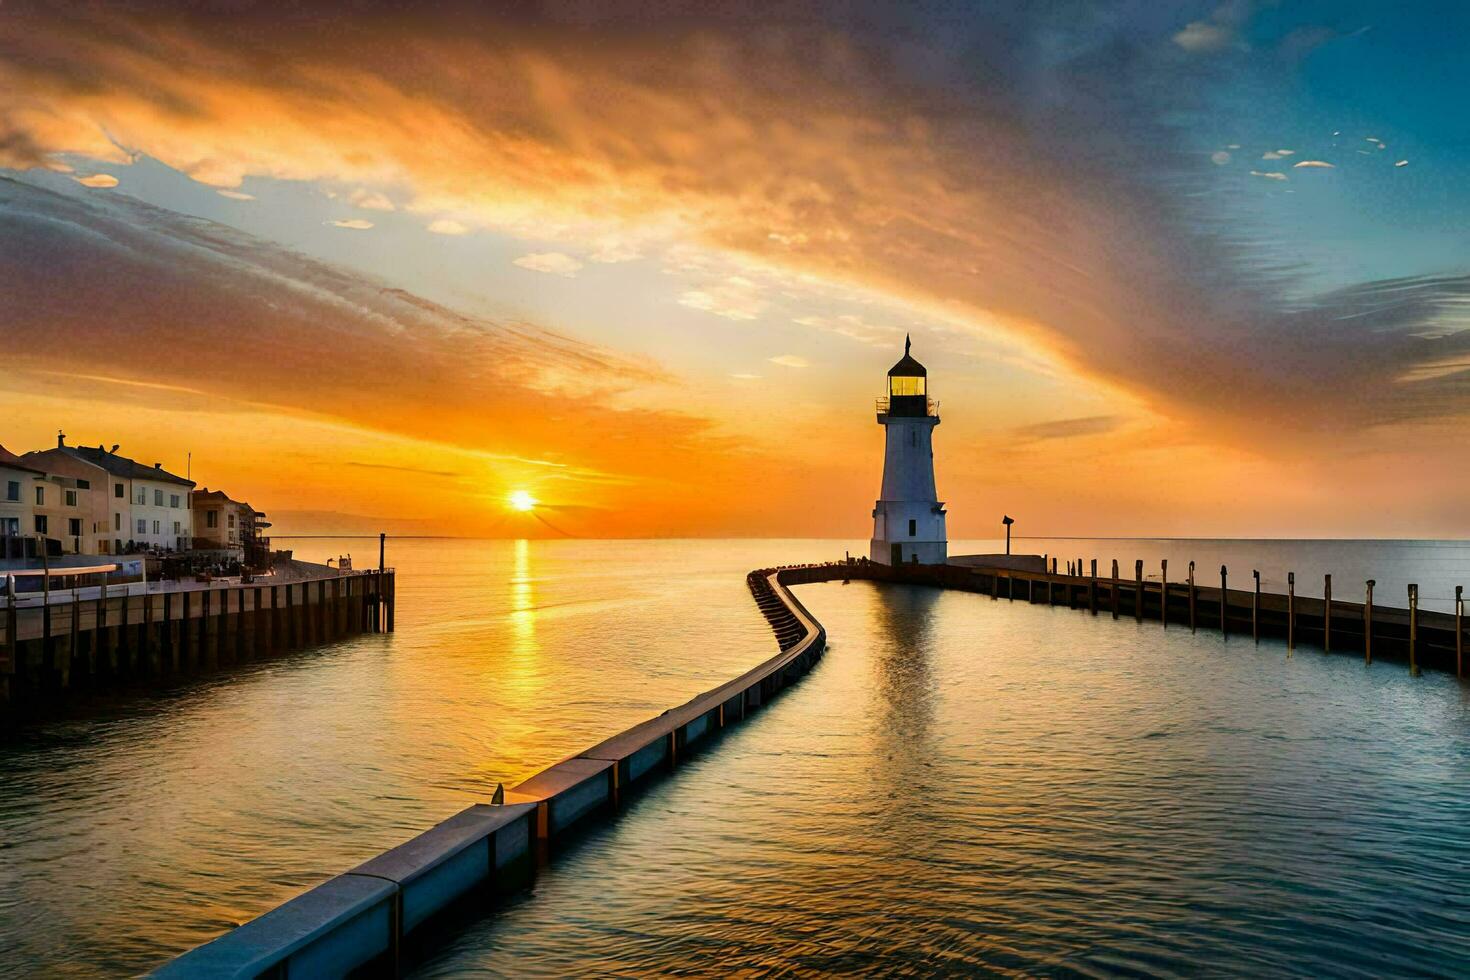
(1189, 269)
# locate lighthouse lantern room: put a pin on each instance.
(908, 519)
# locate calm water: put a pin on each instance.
(961, 784)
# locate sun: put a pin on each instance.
(522, 500)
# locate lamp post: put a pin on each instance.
(1007, 522)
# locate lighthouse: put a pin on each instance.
(908, 519)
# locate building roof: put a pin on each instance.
(8, 458)
(122, 466)
(907, 367)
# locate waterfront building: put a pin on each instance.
(908, 518)
(18, 482)
(219, 522)
(76, 508)
(139, 506)
(63, 513)
(226, 524)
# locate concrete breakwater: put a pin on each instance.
(48, 648)
(363, 920)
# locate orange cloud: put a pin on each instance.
(829, 165)
(816, 149)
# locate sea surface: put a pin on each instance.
(961, 784)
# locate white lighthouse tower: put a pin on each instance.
(908, 520)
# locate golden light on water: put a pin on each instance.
(522, 500)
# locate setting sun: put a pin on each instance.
(522, 500)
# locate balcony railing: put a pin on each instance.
(931, 406)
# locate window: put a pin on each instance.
(173, 500)
(40, 523)
(12, 492)
(105, 546)
(211, 518)
(142, 526)
(71, 497)
(176, 527)
(142, 496)
(117, 490)
(906, 386)
(157, 498)
(84, 484)
(913, 528)
(117, 522)
(40, 496)
(74, 527)
(232, 520)
(155, 527)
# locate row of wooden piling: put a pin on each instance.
(93, 642)
(1423, 638)
(784, 622)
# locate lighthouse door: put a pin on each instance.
(897, 554)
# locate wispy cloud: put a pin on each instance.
(448, 226)
(553, 263)
(355, 224)
(97, 180)
(1091, 425)
(736, 298)
(418, 471)
(370, 200)
(790, 360)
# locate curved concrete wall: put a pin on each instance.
(360, 919)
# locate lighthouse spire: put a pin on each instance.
(907, 343)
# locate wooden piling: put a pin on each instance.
(76, 627)
(1459, 631)
(1291, 610)
(1192, 622)
(149, 656)
(1224, 619)
(208, 631)
(124, 640)
(1368, 624)
(12, 644)
(1256, 607)
(1113, 589)
(100, 636)
(1327, 613)
(1091, 588)
(1413, 627)
(1138, 590)
(293, 625)
(1164, 592)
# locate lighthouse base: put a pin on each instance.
(907, 552)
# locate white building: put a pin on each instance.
(19, 481)
(145, 505)
(908, 519)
